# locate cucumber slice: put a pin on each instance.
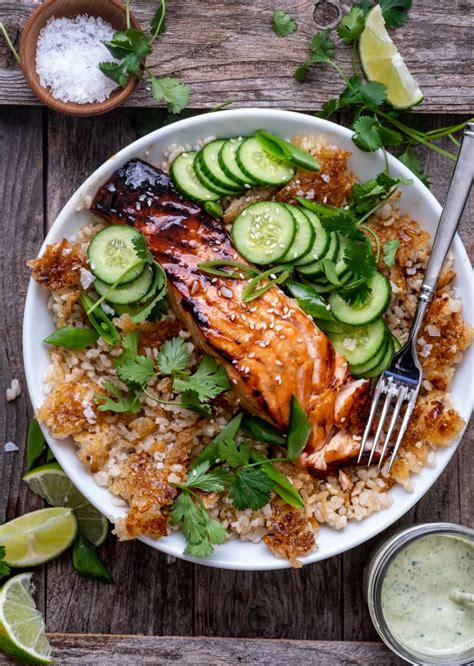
(264, 232)
(321, 241)
(208, 158)
(228, 163)
(186, 181)
(262, 167)
(128, 293)
(384, 363)
(358, 370)
(368, 341)
(372, 309)
(304, 236)
(111, 253)
(314, 269)
(207, 182)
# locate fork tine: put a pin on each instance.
(403, 427)
(383, 416)
(373, 409)
(396, 411)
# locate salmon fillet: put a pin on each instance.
(270, 348)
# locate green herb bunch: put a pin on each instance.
(376, 124)
(131, 47)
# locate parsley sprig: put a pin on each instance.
(131, 48)
(375, 123)
(136, 371)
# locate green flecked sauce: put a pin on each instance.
(428, 595)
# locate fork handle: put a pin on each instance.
(459, 187)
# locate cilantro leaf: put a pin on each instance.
(411, 160)
(371, 135)
(123, 403)
(208, 381)
(4, 568)
(357, 295)
(214, 481)
(114, 71)
(345, 223)
(136, 371)
(395, 12)
(233, 455)
(200, 530)
(190, 400)
(283, 25)
(251, 489)
(153, 310)
(129, 41)
(173, 356)
(228, 432)
(390, 250)
(359, 258)
(351, 25)
(372, 93)
(171, 91)
(322, 47)
(141, 249)
(157, 24)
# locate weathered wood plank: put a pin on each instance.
(153, 593)
(21, 219)
(454, 488)
(110, 650)
(228, 51)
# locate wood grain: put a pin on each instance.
(227, 50)
(111, 650)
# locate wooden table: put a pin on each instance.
(316, 614)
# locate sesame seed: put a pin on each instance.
(194, 288)
(251, 355)
(226, 292)
(234, 381)
(232, 316)
(278, 362)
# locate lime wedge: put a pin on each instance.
(52, 484)
(22, 630)
(382, 62)
(38, 537)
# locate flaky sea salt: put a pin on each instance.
(68, 53)
(10, 447)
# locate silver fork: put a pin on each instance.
(402, 380)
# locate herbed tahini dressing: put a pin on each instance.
(428, 595)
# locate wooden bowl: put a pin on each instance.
(111, 11)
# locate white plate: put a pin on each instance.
(416, 200)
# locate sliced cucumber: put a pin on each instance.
(313, 268)
(185, 179)
(228, 163)
(384, 363)
(358, 370)
(262, 167)
(264, 232)
(128, 293)
(111, 254)
(208, 159)
(207, 182)
(368, 340)
(304, 236)
(372, 309)
(321, 241)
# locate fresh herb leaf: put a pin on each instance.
(137, 371)
(329, 268)
(262, 431)
(214, 481)
(141, 249)
(4, 568)
(190, 400)
(114, 71)
(345, 223)
(86, 561)
(411, 160)
(359, 258)
(173, 356)
(251, 489)
(208, 381)
(299, 429)
(390, 250)
(282, 486)
(283, 25)
(171, 91)
(157, 25)
(395, 12)
(123, 403)
(200, 530)
(233, 455)
(152, 311)
(35, 444)
(371, 135)
(72, 337)
(322, 47)
(228, 432)
(351, 25)
(310, 301)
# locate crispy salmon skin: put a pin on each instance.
(270, 348)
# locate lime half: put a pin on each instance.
(383, 63)
(38, 537)
(22, 630)
(51, 483)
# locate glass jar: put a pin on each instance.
(374, 576)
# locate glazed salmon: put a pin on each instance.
(270, 348)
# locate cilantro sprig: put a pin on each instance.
(282, 23)
(130, 48)
(4, 568)
(375, 123)
(136, 371)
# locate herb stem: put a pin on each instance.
(269, 460)
(160, 22)
(162, 402)
(378, 205)
(454, 140)
(377, 241)
(9, 42)
(354, 58)
(127, 13)
(111, 288)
